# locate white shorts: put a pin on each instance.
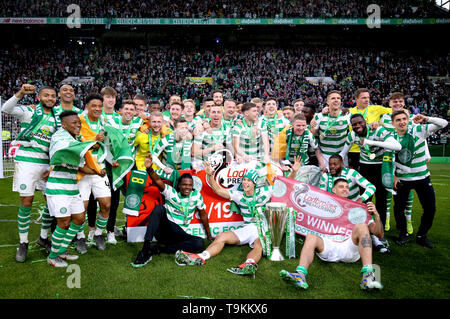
(345, 251)
(63, 206)
(99, 186)
(28, 178)
(247, 234)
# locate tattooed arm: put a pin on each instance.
(376, 227)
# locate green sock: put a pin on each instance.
(68, 237)
(46, 222)
(100, 224)
(57, 238)
(24, 221)
(301, 269)
(367, 268)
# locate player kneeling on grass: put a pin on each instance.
(247, 200)
(168, 223)
(62, 192)
(350, 250)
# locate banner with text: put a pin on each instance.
(319, 212)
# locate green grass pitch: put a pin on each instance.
(408, 272)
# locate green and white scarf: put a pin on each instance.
(37, 120)
(185, 156)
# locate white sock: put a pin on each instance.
(250, 261)
(205, 255)
(80, 235)
(44, 233)
(23, 237)
(376, 240)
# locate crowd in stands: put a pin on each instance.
(222, 9)
(158, 72)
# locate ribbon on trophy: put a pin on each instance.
(263, 232)
(290, 233)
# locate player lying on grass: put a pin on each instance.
(351, 250)
(247, 200)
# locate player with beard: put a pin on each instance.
(358, 246)
(216, 138)
(32, 159)
(297, 139)
(217, 96)
(174, 149)
(168, 223)
(374, 143)
(66, 96)
(338, 170)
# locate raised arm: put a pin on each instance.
(390, 144)
(212, 182)
(155, 178)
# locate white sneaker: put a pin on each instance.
(110, 238)
(57, 262)
(66, 256)
(91, 234)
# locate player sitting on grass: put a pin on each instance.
(169, 223)
(247, 200)
(350, 250)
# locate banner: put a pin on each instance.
(198, 80)
(225, 21)
(227, 174)
(319, 212)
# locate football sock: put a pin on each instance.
(46, 220)
(301, 269)
(68, 237)
(57, 238)
(100, 224)
(205, 255)
(23, 221)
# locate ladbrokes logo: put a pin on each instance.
(315, 203)
(230, 177)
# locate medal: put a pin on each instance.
(322, 136)
(372, 156)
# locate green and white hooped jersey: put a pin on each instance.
(58, 109)
(379, 134)
(217, 136)
(109, 117)
(181, 209)
(333, 132)
(37, 152)
(62, 179)
(418, 169)
(354, 179)
(167, 147)
(128, 130)
(274, 126)
(386, 122)
(250, 145)
(299, 145)
(262, 197)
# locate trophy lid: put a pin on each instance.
(276, 205)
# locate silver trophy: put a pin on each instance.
(276, 216)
